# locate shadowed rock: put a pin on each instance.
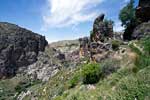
(18, 47)
(141, 31)
(142, 11)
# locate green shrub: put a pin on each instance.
(74, 97)
(74, 81)
(135, 49)
(109, 67)
(144, 57)
(134, 69)
(23, 85)
(134, 86)
(91, 35)
(91, 73)
(115, 45)
(143, 61)
(107, 21)
(146, 45)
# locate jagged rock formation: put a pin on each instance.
(142, 11)
(97, 45)
(18, 47)
(101, 29)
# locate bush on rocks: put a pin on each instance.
(91, 73)
(115, 45)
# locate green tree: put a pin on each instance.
(146, 45)
(91, 35)
(127, 14)
(128, 19)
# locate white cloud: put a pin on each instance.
(126, 1)
(118, 27)
(62, 13)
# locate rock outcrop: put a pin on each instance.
(84, 46)
(97, 46)
(66, 45)
(141, 30)
(101, 29)
(143, 17)
(44, 68)
(101, 45)
(18, 47)
(142, 11)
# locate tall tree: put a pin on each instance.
(128, 19)
(127, 14)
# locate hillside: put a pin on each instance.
(122, 79)
(66, 45)
(107, 65)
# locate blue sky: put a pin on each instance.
(60, 19)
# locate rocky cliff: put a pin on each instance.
(18, 47)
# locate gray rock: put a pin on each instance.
(43, 69)
(101, 29)
(19, 47)
(60, 56)
(98, 50)
(84, 45)
(84, 41)
(141, 31)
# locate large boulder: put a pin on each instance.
(18, 47)
(142, 11)
(101, 29)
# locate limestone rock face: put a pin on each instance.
(142, 11)
(44, 68)
(18, 47)
(101, 29)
